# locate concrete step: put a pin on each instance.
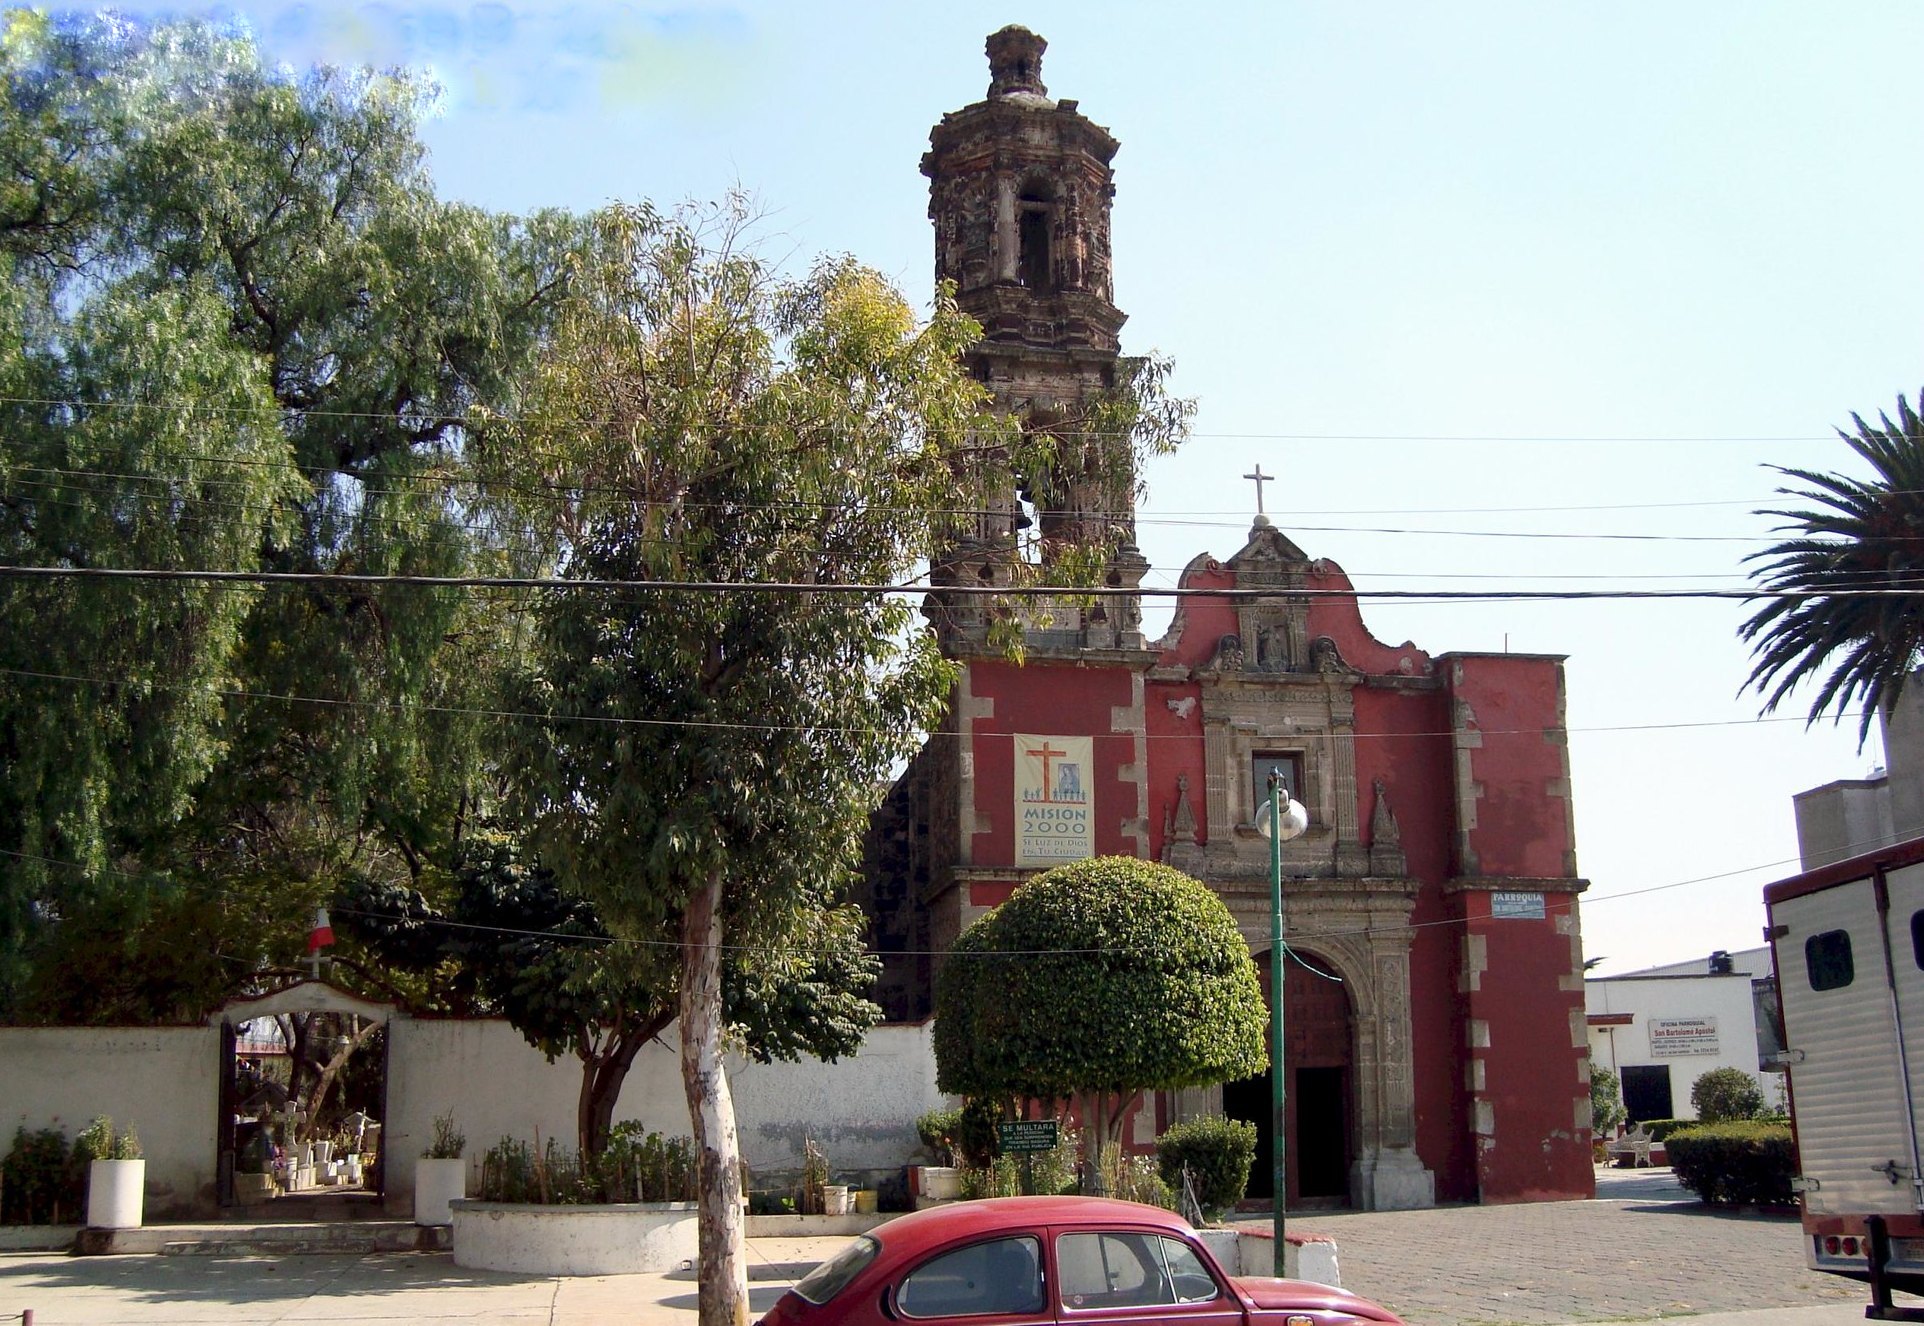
(234, 1239)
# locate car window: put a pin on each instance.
(1188, 1276)
(1112, 1270)
(983, 1279)
(833, 1275)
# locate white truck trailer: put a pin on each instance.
(1848, 943)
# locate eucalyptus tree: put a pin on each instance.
(1851, 579)
(712, 745)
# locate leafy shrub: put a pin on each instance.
(638, 1165)
(1659, 1129)
(976, 1142)
(1217, 1152)
(99, 1141)
(1606, 1101)
(1724, 1094)
(1735, 1164)
(635, 1166)
(42, 1181)
(937, 1130)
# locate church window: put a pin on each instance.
(1289, 763)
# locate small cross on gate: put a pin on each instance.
(1260, 479)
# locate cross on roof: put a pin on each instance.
(1260, 479)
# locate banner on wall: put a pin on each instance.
(1054, 799)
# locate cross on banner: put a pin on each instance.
(1049, 756)
(1260, 479)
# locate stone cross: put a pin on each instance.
(1260, 479)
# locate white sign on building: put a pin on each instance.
(1672, 1038)
(1054, 802)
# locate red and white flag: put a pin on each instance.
(323, 932)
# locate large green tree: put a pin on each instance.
(1094, 982)
(712, 746)
(513, 941)
(1851, 580)
(238, 332)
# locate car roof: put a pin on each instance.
(953, 1220)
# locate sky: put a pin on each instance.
(1511, 296)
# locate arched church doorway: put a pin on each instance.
(1319, 1098)
(303, 1100)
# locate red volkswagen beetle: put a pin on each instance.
(1017, 1261)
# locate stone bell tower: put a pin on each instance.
(1019, 191)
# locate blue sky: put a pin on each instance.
(1553, 281)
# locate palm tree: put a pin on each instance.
(1850, 585)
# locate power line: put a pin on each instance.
(459, 711)
(464, 418)
(958, 591)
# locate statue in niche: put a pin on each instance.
(1229, 654)
(1325, 656)
(1272, 649)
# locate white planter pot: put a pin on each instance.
(436, 1183)
(574, 1240)
(835, 1199)
(115, 1193)
(940, 1182)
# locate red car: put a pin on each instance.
(1015, 1261)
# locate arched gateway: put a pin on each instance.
(303, 1097)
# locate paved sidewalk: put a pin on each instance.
(1644, 1250)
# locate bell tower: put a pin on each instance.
(1019, 193)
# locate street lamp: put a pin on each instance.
(1278, 819)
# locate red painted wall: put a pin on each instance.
(1532, 1071)
(1522, 813)
(1049, 699)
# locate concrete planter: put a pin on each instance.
(437, 1183)
(115, 1193)
(574, 1240)
(942, 1183)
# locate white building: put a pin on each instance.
(1661, 1029)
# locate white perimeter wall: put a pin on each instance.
(860, 1110)
(165, 1081)
(1725, 998)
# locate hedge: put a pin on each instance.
(1735, 1164)
(1218, 1153)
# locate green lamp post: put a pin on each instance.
(1278, 819)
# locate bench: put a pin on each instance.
(1635, 1144)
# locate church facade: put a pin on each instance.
(1436, 1038)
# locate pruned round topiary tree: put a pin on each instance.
(1096, 981)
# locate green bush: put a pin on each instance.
(976, 1143)
(1724, 1094)
(1659, 1129)
(1606, 1101)
(937, 1130)
(99, 1141)
(42, 1180)
(1217, 1152)
(1735, 1164)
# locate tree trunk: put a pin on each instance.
(723, 1270)
(602, 1075)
